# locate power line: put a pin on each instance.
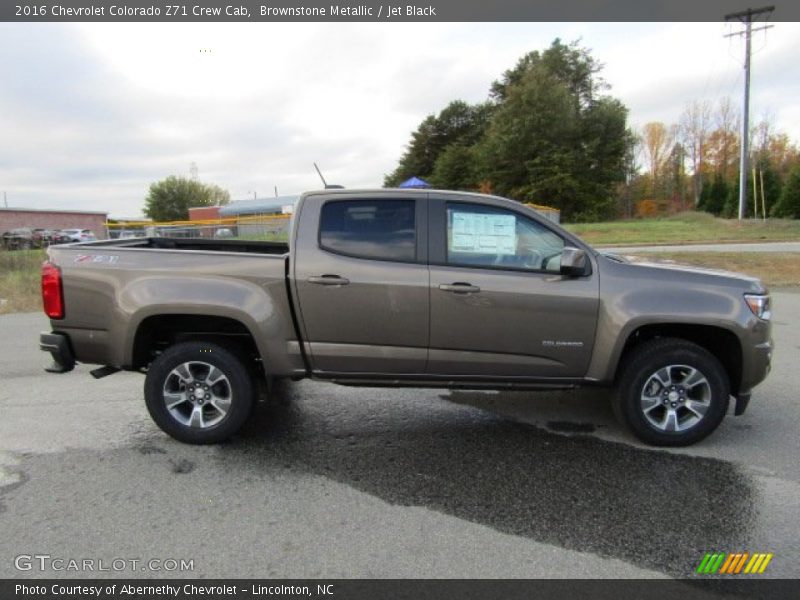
(746, 17)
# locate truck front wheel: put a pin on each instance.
(198, 392)
(671, 392)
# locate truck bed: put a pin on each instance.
(110, 287)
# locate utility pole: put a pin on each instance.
(746, 17)
(5, 200)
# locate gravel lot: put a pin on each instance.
(329, 481)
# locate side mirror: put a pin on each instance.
(573, 262)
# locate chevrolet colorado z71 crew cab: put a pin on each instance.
(407, 288)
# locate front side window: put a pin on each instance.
(375, 229)
(486, 236)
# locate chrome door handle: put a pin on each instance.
(459, 287)
(328, 280)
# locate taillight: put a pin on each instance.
(52, 291)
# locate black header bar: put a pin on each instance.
(385, 11)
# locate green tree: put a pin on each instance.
(629, 191)
(731, 210)
(553, 140)
(218, 195)
(769, 183)
(455, 169)
(789, 203)
(714, 196)
(171, 198)
(571, 64)
(458, 123)
(548, 135)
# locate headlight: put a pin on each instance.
(759, 305)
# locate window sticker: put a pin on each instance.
(481, 233)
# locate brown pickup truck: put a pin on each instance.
(407, 288)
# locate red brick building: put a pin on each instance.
(13, 218)
(204, 213)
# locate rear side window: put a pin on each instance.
(376, 229)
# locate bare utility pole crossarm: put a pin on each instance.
(746, 17)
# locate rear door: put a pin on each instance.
(361, 282)
(499, 307)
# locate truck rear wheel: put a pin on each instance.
(671, 392)
(198, 392)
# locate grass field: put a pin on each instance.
(773, 268)
(687, 227)
(20, 281)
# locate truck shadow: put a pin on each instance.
(654, 509)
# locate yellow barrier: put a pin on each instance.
(225, 221)
(242, 220)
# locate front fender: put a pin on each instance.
(629, 304)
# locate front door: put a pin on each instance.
(499, 307)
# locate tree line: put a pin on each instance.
(695, 164)
(551, 134)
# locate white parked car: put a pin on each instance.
(223, 233)
(79, 235)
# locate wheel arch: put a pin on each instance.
(156, 332)
(720, 342)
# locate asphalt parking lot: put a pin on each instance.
(329, 481)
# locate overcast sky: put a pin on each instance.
(91, 114)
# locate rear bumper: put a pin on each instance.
(57, 344)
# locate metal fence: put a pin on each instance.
(250, 227)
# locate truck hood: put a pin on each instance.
(690, 272)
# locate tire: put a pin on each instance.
(671, 392)
(199, 393)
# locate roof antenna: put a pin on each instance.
(324, 183)
(332, 186)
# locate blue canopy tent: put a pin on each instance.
(415, 182)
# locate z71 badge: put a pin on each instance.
(105, 259)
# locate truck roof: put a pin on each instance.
(405, 191)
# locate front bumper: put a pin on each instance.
(57, 344)
(756, 370)
(757, 364)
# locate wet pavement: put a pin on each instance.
(329, 481)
